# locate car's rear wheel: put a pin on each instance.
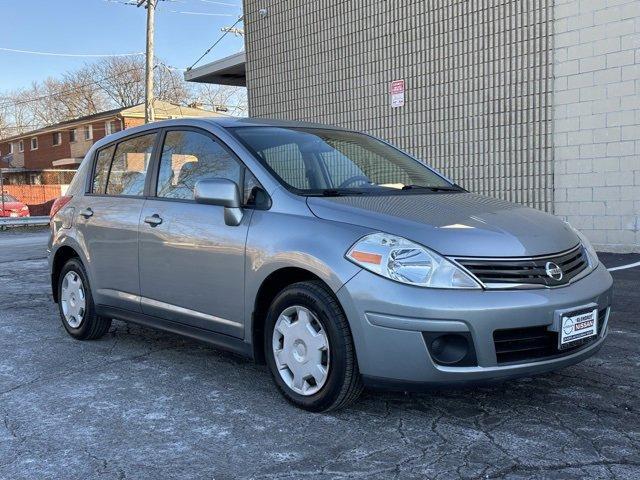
(309, 348)
(76, 306)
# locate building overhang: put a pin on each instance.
(229, 70)
(67, 161)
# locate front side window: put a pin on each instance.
(129, 166)
(326, 161)
(189, 156)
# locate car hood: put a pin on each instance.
(454, 224)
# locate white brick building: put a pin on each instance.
(534, 101)
(596, 119)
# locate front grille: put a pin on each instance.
(535, 343)
(531, 271)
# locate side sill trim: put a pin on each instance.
(226, 342)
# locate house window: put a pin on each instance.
(21, 146)
(109, 127)
(57, 138)
(88, 132)
(10, 148)
(73, 135)
(34, 143)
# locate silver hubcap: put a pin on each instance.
(301, 350)
(72, 299)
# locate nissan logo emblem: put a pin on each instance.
(553, 271)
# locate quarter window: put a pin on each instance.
(129, 166)
(189, 156)
(101, 171)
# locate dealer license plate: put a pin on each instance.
(574, 328)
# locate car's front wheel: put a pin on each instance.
(309, 348)
(75, 302)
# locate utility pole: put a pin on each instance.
(149, 115)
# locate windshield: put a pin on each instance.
(8, 198)
(325, 161)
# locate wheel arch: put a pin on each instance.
(61, 256)
(273, 284)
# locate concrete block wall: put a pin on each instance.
(478, 78)
(596, 113)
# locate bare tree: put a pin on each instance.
(110, 83)
(121, 79)
(82, 97)
(222, 97)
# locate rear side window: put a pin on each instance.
(129, 166)
(189, 156)
(101, 172)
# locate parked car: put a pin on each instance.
(332, 256)
(10, 206)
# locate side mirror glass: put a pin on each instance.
(222, 192)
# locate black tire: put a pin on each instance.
(92, 326)
(344, 384)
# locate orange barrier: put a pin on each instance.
(37, 197)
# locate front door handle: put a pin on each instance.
(154, 220)
(87, 212)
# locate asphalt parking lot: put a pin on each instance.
(145, 404)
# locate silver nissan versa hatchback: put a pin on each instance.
(332, 256)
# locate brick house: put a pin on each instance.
(52, 153)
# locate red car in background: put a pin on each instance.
(10, 206)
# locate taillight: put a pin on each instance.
(59, 203)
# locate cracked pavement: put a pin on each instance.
(141, 403)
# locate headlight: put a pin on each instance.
(592, 256)
(404, 261)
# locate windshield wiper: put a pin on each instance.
(433, 189)
(334, 192)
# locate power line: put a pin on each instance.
(74, 90)
(215, 43)
(54, 54)
(202, 13)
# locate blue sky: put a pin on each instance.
(105, 27)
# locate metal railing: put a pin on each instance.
(23, 221)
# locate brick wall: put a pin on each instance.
(597, 119)
(478, 81)
(47, 152)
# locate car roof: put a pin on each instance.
(219, 122)
(230, 122)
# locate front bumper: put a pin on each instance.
(388, 319)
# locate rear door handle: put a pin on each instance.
(87, 212)
(154, 220)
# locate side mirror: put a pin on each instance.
(222, 192)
